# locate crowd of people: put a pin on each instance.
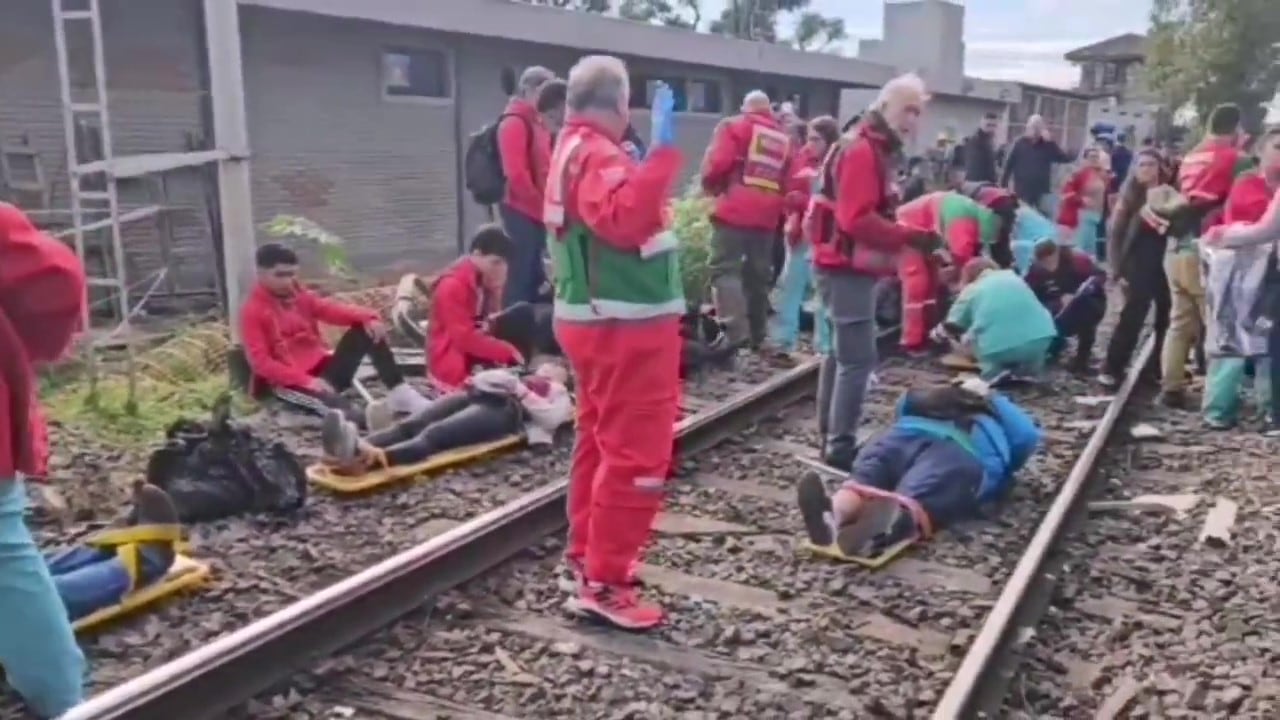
(571, 308)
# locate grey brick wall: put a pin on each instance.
(327, 145)
(152, 62)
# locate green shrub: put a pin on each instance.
(691, 222)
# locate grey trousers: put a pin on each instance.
(741, 273)
(842, 388)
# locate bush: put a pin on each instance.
(692, 224)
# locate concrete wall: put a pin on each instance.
(155, 89)
(327, 145)
(958, 117)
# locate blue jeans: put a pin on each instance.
(37, 645)
(89, 579)
(525, 272)
(939, 474)
(797, 279)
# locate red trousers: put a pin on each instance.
(920, 286)
(628, 388)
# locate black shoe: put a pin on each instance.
(815, 509)
(840, 459)
(153, 506)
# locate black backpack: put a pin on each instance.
(482, 163)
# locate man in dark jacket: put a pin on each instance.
(1072, 287)
(1030, 165)
(980, 152)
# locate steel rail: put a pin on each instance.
(979, 684)
(233, 668)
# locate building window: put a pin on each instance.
(695, 96)
(705, 96)
(1112, 74)
(415, 74)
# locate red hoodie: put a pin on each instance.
(1248, 200)
(524, 144)
(42, 296)
(806, 168)
(747, 168)
(455, 342)
(1074, 191)
(282, 335)
(850, 224)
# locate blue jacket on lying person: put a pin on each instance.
(950, 450)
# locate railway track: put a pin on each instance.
(262, 565)
(755, 631)
(469, 623)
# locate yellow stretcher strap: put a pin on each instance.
(833, 552)
(114, 537)
(326, 477)
(185, 573)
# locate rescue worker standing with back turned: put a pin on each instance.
(42, 294)
(747, 169)
(856, 242)
(966, 227)
(1204, 179)
(618, 305)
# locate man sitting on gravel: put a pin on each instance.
(950, 449)
(280, 324)
(493, 405)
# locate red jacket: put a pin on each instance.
(455, 342)
(525, 146)
(621, 200)
(849, 221)
(1248, 200)
(282, 335)
(747, 168)
(952, 216)
(807, 167)
(42, 297)
(1205, 177)
(1074, 191)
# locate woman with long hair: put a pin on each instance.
(1135, 246)
(1081, 202)
(797, 273)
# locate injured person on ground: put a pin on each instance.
(101, 571)
(952, 448)
(494, 404)
(280, 324)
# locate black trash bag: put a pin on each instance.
(222, 469)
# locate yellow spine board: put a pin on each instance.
(186, 573)
(324, 477)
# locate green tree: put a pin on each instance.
(672, 13)
(817, 32)
(1207, 52)
(754, 19)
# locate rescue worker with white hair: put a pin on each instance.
(618, 305)
(856, 242)
(747, 170)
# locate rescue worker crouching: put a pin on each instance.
(856, 242)
(464, 299)
(747, 169)
(966, 228)
(998, 318)
(1005, 205)
(950, 450)
(1072, 287)
(618, 309)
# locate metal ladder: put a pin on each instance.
(77, 171)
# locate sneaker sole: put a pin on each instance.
(332, 432)
(815, 508)
(874, 518)
(586, 611)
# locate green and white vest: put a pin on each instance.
(595, 281)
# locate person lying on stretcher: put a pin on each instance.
(96, 575)
(493, 405)
(951, 449)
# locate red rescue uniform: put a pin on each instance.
(747, 169)
(42, 297)
(805, 173)
(282, 339)
(1084, 184)
(1248, 201)
(456, 344)
(965, 226)
(524, 145)
(850, 220)
(619, 326)
(1205, 177)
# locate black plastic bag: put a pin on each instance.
(222, 469)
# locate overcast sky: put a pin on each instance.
(1010, 39)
